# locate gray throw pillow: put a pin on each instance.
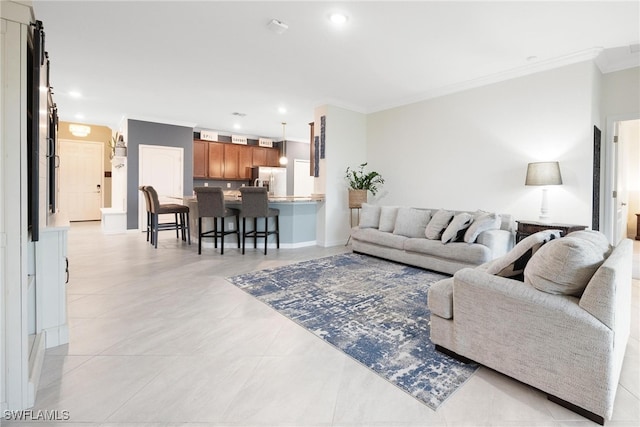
(411, 222)
(512, 264)
(388, 218)
(457, 227)
(563, 266)
(484, 222)
(369, 216)
(438, 224)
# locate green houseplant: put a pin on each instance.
(360, 182)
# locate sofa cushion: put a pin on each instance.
(483, 222)
(513, 263)
(369, 216)
(388, 216)
(438, 223)
(440, 299)
(372, 235)
(457, 227)
(459, 251)
(411, 222)
(563, 266)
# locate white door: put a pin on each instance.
(81, 179)
(302, 181)
(162, 168)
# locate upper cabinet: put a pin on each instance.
(219, 160)
(200, 159)
(215, 160)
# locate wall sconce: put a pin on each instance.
(79, 130)
(543, 174)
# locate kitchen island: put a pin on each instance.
(297, 221)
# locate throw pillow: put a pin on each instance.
(457, 227)
(563, 266)
(438, 224)
(513, 263)
(369, 216)
(484, 222)
(595, 237)
(388, 218)
(411, 222)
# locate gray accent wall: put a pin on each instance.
(151, 133)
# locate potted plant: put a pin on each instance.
(360, 182)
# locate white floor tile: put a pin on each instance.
(159, 338)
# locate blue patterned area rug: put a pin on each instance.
(373, 310)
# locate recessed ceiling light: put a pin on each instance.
(338, 18)
(79, 116)
(282, 110)
(237, 126)
(75, 94)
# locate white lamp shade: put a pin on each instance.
(543, 173)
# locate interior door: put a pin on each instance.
(162, 168)
(620, 193)
(81, 179)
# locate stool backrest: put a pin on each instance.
(147, 199)
(255, 202)
(210, 201)
(154, 202)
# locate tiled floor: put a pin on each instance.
(159, 338)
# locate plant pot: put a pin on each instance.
(357, 198)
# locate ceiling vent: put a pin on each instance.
(277, 26)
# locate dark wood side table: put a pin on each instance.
(527, 228)
(638, 227)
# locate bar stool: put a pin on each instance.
(255, 204)
(170, 208)
(211, 205)
(148, 204)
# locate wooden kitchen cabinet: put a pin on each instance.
(216, 164)
(273, 157)
(200, 159)
(219, 160)
(259, 157)
(237, 161)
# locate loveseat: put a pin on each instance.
(559, 321)
(434, 239)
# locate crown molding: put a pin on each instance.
(572, 58)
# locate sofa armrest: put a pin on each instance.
(499, 241)
(534, 337)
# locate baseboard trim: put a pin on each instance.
(36, 360)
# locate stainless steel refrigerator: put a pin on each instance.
(275, 179)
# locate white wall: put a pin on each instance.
(470, 150)
(345, 146)
(630, 134)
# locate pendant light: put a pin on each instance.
(283, 158)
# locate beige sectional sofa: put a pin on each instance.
(431, 239)
(559, 323)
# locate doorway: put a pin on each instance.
(162, 168)
(81, 179)
(622, 184)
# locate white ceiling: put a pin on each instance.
(196, 63)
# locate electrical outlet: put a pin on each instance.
(206, 184)
(230, 226)
(228, 185)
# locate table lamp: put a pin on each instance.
(544, 173)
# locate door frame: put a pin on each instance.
(609, 205)
(101, 144)
(141, 202)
